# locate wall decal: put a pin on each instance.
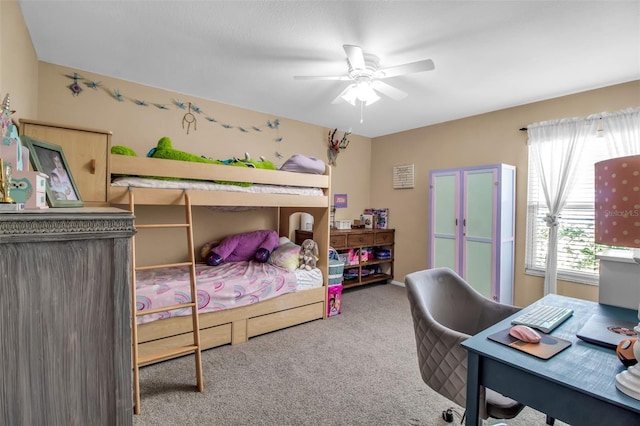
(188, 118)
(76, 89)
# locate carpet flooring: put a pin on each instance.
(356, 368)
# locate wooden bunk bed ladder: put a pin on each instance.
(195, 348)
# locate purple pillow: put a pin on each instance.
(301, 164)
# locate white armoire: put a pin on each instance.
(472, 226)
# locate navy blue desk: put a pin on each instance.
(576, 386)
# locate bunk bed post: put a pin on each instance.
(134, 322)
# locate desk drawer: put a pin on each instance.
(384, 237)
(359, 240)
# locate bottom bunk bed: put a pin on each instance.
(236, 301)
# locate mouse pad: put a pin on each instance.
(548, 346)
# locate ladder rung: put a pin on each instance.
(166, 265)
(165, 308)
(183, 350)
(163, 225)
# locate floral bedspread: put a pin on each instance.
(218, 287)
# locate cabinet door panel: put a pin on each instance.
(444, 253)
(478, 266)
(479, 204)
(444, 210)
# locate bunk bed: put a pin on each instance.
(294, 192)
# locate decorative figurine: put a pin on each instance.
(336, 145)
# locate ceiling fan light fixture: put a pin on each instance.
(361, 91)
(351, 95)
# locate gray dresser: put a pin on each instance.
(65, 331)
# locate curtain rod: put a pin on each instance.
(599, 116)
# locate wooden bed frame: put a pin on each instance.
(235, 325)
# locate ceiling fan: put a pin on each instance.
(366, 77)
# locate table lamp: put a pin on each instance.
(617, 223)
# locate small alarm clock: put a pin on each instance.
(625, 351)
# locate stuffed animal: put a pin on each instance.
(308, 254)
(254, 245)
(165, 150)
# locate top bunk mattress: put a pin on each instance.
(269, 188)
(138, 182)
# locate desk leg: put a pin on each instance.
(473, 390)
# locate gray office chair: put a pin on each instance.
(446, 310)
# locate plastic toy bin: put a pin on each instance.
(336, 267)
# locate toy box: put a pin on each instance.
(334, 307)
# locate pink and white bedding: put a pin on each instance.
(226, 286)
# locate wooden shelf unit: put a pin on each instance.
(356, 240)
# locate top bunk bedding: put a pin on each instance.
(275, 188)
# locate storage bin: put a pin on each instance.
(342, 224)
(334, 305)
(336, 268)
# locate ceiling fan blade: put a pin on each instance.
(322, 77)
(410, 68)
(355, 56)
(339, 98)
(387, 90)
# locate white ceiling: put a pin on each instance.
(488, 55)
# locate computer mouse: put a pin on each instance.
(525, 333)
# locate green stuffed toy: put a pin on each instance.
(123, 150)
(165, 150)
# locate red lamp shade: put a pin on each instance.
(617, 201)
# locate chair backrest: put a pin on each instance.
(446, 310)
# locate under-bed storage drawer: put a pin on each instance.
(276, 321)
(209, 338)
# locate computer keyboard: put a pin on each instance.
(544, 317)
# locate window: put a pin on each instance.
(576, 248)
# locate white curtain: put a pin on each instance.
(555, 148)
(622, 132)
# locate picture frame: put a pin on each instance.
(340, 201)
(49, 158)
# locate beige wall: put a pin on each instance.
(484, 139)
(18, 63)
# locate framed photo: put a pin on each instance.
(49, 159)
